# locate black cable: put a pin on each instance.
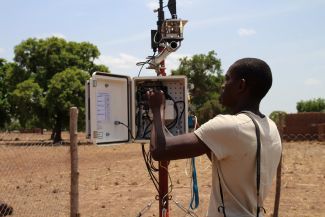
(138, 119)
(147, 121)
(144, 127)
(175, 121)
(148, 161)
(145, 62)
(129, 131)
(146, 130)
(142, 64)
(151, 168)
(182, 112)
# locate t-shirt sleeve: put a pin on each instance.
(218, 134)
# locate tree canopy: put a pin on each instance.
(205, 75)
(4, 104)
(45, 79)
(66, 89)
(313, 105)
(277, 115)
(43, 58)
(26, 100)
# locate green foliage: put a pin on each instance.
(26, 100)
(47, 77)
(313, 105)
(204, 72)
(2, 62)
(4, 104)
(210, 108)
(100, 68)
(276, 116)
(66, 89)
(14, 75)
(4, 111)
(13, 125)
(43, 58)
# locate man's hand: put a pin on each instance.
(172, 147)
(156, 100)
(157, 138)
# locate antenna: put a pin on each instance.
(168, 36)
(172, 8)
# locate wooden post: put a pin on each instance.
(74, 192)
(281, 126)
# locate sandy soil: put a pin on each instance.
(113, 181)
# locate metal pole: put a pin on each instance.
(163, 169)
(161, 18)
(74, 191)
(163, 165)
(163, 189)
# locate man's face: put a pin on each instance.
(229, 91)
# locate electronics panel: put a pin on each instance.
(117, 108)
(175, 90)
(109, 108)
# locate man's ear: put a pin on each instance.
(242, 84)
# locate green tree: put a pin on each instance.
(276, 116)
(205, 74)
(26, 101)
(14, 75)
(66, 89)
(4, 104)
(41, 60)
(313, 105)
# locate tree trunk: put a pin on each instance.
(56, 133)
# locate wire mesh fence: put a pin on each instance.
(113, 180)
(304, 137)
(34, 176)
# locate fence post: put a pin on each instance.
(280, 126)
(74, 192)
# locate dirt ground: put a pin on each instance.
(113, 180)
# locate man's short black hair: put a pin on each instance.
(257, 74)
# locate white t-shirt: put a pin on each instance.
(232, 141)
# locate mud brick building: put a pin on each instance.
(305, 126)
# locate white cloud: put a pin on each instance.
(234, 18)
(152, 5)
(59, 35)
(243, 32)
(209, 22)
(123, 61)
(312, 82)
(172, 61)
(184, 2)
(2, 50)
(54, 34)
(131, 38)
(125, 64)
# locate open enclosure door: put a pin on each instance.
(108, 109)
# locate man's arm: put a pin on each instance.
(163, 147)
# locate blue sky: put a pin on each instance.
(288, 34)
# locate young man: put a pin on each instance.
(230, 141)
